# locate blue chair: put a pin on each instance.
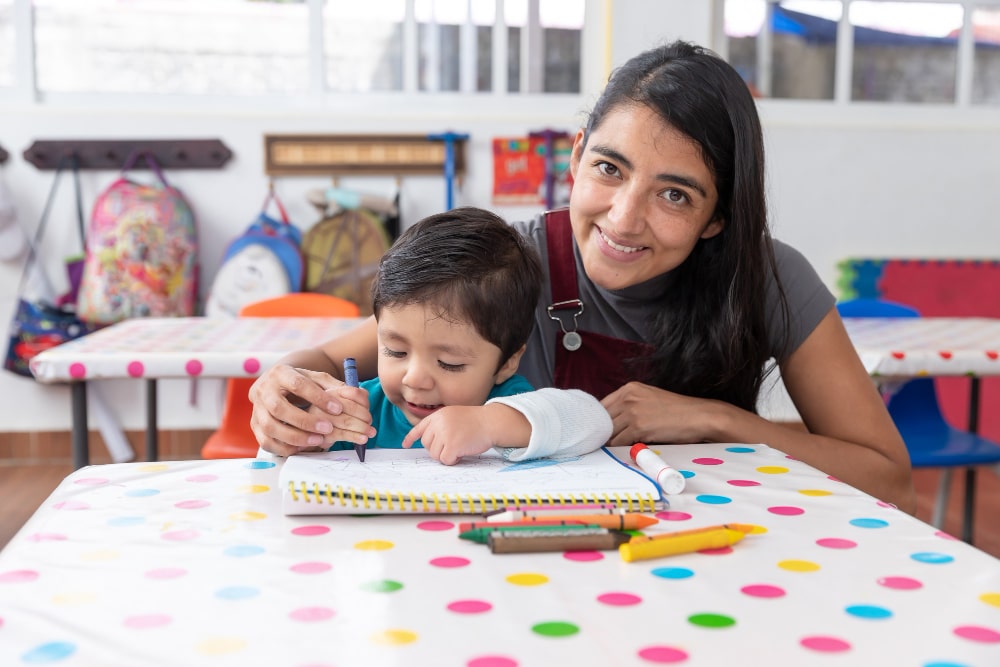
(931, 441)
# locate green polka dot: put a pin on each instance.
(711, 620)
(382, 586)
(555, 629)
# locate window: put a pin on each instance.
(6, 43)
(901, 51)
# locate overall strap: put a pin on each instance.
(562, 264)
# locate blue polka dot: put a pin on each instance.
(713, 500)
(260, 465)
(142, 493)
(868, 611)
(51, 652)
(945, 664)
(931, 557)
(237, 592)
(741, 450)
(672, 572)
(869, 523)
(687, 474)
(244, 550)
(125, 521)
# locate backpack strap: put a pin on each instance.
(151, 162)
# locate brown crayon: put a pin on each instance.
(598, 540)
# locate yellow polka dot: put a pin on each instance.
(374, 545)
(991, 599)
(154, 467)
(70, 599)
(815, 492)
(394, 637)
(254, 488)
(247, 516)
(220, 645)
(528, 579)
(922, 373)
(772, 470)
(798, 565)
(100, 555)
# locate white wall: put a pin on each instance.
(843, 182)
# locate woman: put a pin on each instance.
(664, 294)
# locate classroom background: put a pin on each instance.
(846, 178)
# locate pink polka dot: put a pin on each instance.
(977, 633)
(900, 583)
(825, 644)
(147, 621)
(251, 366)
(491, 661)
(71, 505)
(449, 561)
(882, 503)
(91, 481)
(180, 535)
(135, 369)
(45, 537)
(310, 567)
(721, 551)
(193, 367)
(202, 478)
(742, 482)
(944, 536)
(435, 525)
(17, 576)
(786, 511)
(311, 614)
(583, 556)
(619, 599)
(673, 516)
(77, 371)
(763, 591)
(662, 654)
(192, 504)
(166, 573)
(469, 606)
(836, 543)
(707, 461)
(310, 531)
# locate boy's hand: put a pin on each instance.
(455, 431)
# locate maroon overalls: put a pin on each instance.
(595, 365)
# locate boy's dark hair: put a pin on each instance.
(473, 266)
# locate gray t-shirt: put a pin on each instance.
(624, 313)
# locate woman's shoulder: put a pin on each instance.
(532, 229)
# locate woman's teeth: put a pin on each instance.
(619, 248)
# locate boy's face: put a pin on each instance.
(427, 362)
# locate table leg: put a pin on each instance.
(152, 435)
(968, 514)
(81, 447)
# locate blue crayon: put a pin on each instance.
(351, 380)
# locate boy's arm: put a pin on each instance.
(564, 422)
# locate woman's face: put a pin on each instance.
(642, 197)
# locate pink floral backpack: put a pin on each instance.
(142, 251)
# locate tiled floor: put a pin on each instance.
(25, 487)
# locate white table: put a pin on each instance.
(183, 347)
(192, 563)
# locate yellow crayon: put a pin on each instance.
(745, 528)
(688, 542)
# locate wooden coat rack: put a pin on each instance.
(110, 154)
(354, 155)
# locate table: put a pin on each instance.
(192, 563)
(175, 347)
(903, 348)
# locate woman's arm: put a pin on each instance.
(301, 400)
(849, 435)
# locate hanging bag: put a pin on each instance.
(39, 323)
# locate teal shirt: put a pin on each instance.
(391, 424)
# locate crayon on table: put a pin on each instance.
(520, 543)
(470, 525)
(671, 545)
(551, 512)
(351, 380)
(744, 528)
(480, 535)
(627, 521)
(670, 480)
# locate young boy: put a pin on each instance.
(454, 299)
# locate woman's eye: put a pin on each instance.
(453, 368)
(607, 168)
(395, 354)
(675, 196)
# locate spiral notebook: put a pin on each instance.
(394, 481)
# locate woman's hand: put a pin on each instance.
(296, 410)
(642, 413)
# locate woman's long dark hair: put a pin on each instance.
(711, 336)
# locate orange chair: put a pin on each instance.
(234, 439)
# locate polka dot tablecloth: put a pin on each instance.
(182, 347)
(192, 563)
(912, 347)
